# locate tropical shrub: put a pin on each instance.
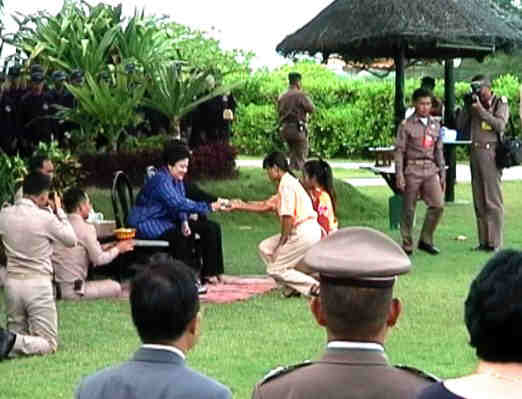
(12, 170)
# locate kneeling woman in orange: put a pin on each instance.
(318, 180)
(284, 252)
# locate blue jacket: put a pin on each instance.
(161, 205)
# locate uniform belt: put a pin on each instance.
(484, 146)
(420, 162)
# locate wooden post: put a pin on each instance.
(400, 66)
(450, 151)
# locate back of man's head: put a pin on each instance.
(428, 83)
(36, 162)
(72, 199)
(294, 78)
(164, 300)
(355, 313)
(36, 183)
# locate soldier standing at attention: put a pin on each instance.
(419, 164)
(293, 107)
(488, 116)
(355, 305)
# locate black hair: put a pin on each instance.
(354, 312)
(427, 82)
(421, 93)
(36, 183)
(294, 78)
(278, 159)
(322, 172)
(72, 198)
(493, 309)
(36, 162)
(175, 151)
(164, 300)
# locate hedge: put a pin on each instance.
(352, 114)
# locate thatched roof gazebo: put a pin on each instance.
(358, 30)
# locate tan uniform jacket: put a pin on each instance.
(416, 142)
(293, 106)
(344, 373)
(28, 233)
(486, 123)
(72, 264)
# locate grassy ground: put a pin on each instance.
(242, 341)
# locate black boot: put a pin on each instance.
(7, 340)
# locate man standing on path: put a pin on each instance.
(355, 305)
(293, 107)
(28, 232)
(420, 170)
(488, 115)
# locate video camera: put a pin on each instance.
(473, 95)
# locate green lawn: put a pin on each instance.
(242, 341)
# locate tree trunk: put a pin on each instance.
(174, 127)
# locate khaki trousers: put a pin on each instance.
(286, 268)
(430, 191)
(92, 290)
(297, 145)
(487, 197)
(31, 315)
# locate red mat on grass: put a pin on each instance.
(234, 289)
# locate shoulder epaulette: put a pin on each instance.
(282, 370)
(418, 372)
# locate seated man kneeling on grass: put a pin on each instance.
(165, 310)
(71, 265)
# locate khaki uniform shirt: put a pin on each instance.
(293, 106)
(28, 233)
(72, 264)
(356, 373)
(293, 200)
(486, 123)
(417, 141)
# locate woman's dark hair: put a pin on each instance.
(175, 151)
(278, 159)
(72, 199)
(164, 299)
(36, 162)
(493, 309)
(322, 172)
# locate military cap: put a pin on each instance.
(484, 82)
(358, 256)
(14, 71)
(37, 77)
(58, 76)
(77, 74)
(36, 68)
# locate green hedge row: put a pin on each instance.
(352, 114)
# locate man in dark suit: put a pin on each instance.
(165, 310)
(355, 304)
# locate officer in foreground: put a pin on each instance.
(355, 304)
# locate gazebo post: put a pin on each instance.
(400, 66)
(450, 151)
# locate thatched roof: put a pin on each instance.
(361, 29)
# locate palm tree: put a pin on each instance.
(175, 90)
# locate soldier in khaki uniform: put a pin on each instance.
(488, 115)
(357, 267)
(293, 107)
(419, 164)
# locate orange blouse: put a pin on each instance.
(322, 204)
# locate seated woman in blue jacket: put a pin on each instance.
(162, 210)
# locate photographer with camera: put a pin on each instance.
(487, 116)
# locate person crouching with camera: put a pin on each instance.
(487, 115)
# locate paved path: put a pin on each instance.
(463, 172)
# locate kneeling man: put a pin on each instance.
(71, 265)
(420, 169)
